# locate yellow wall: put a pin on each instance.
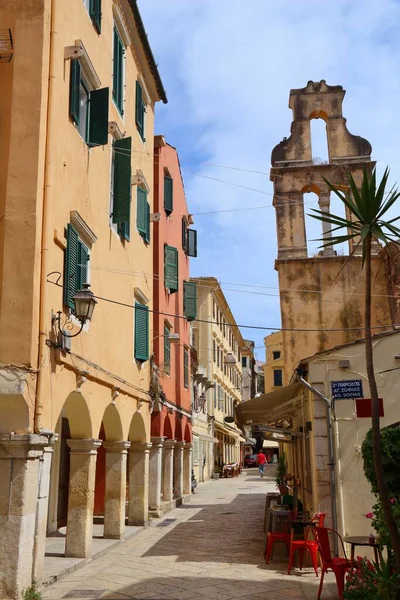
(273, 342)
(46, 167)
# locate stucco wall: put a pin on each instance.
(354, 496)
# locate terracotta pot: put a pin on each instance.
(283, 490)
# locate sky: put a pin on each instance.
(228, 67)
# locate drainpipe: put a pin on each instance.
(45, 239)
(331, 463)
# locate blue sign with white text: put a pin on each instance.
(351, 388)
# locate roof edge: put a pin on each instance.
(148, 51)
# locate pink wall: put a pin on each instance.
(169, 231)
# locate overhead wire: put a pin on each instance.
(237, 326)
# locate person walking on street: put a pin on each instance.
(261, 460)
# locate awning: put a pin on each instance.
(232, 432)
(268, 407)
(206, 438)
(270, 444)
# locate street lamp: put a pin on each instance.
(84, 303)
(201, 401)
(229, 360)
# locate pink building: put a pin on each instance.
(174, 306)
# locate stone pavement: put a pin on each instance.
(209, 549)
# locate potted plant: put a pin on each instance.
(282, 474)
(217, 472)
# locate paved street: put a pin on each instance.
(210, 549)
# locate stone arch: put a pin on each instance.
(311, 188)
(168, 430)
(14, 414)
(319, 114)
(76, 410)
(137, 429)
(112, 424)
(188, 433)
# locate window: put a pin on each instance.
(189, 300)
(213, 305)
(244, 361)
(88, 108)
(215, 395)
(189, 237)
(277, 377)
(186, 367)
(76, 266)
(140, 111)
(167, 351)
(143, 215)
(214, 352)
(141, 332)
(168, 194)
(121, 187)
(184, 234)
(118, 71)
(171, 268)
(94, 9)
(276, 354)
(225, 404)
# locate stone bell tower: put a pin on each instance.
(325, 291)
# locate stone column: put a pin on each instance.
(324, 205)
(82, 477)
(139, 483)
(41, 512)
(187, 469)
(169, 446)
(178, 470)
(155, 467)
(114, 507)
(19, 472)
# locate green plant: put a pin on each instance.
(281, 470)
(365, 209)
(32, 593)
(390, 438)
(370, 581)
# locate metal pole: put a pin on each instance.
(331, 455)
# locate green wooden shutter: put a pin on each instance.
(147, 216)
(171, 268)
(82, 271)
(141, 212)
(71, 266)
(118, 72)
(186, 367)
(139, 111)
(124, 230)
(95, 14)
(121, 210)
(98, 117)
(184, 234)
(74, 90)
(189, 300)
(167, 351)
(141, 332)
(192, 242)
(168, 194)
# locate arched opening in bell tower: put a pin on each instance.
(319, 138)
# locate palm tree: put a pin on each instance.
(367, 207)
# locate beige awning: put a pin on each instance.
(270, 444)
(269, 407)
(207, 438)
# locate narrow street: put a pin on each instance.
(210, 548)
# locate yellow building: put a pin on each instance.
(274, 367)
(219, 344)
(76, 194)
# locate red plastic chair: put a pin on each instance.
(306, 545)
(279, 536)
(336, 564)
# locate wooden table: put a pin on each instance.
(361, 540)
